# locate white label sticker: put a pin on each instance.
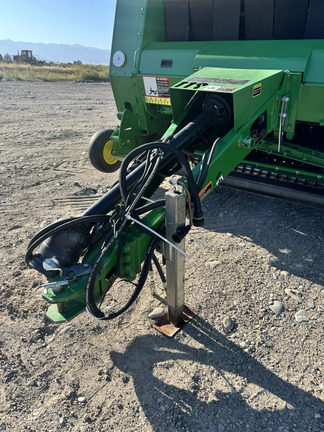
(156, 86)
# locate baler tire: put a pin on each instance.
(100, 156)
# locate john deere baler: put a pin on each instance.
(217, 92)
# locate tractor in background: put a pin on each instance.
(26, 56)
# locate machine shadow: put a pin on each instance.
(293, 234)
(195, 400)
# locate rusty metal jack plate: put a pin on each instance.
(178, 313)
(167, 328)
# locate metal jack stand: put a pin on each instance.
(178, 313)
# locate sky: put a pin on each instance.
(82, 22)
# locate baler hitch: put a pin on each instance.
(112, 239)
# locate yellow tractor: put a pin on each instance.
(26, 56)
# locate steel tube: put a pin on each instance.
(275, 191)
(175, 207)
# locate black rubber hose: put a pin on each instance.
(150, 206)
(58, 227)
(211, 154)
(151, 172)
(198, 215)
(149, 166)
(49, 228)
(94, 310)
(108, 201)
(202, 168)
(159, 268)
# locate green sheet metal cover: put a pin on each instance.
(245, 89)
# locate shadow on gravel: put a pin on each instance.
(293, 234)
(176, 394)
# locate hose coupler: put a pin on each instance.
(181, 233)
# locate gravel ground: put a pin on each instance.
(245, 363)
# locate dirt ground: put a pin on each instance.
(264, 375)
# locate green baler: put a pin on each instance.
(228, 92)
(208, 44)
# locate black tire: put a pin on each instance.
(100, 156)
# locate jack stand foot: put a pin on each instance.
(164, 326)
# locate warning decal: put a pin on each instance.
(219, 88)
(157, 90)
(256, 90)
(207, 189)
(157, 100)
(218, 80)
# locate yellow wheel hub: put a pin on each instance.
(109, 158)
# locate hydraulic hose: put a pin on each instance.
(198, 215)
(150, 206)
(203, 175)
(92, 307)
(151, 172)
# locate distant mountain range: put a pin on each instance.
(57, 53)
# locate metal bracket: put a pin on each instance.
(283, 116)
(178, 314)
(68, 274)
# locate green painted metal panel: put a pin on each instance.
(292, 55)
(245, 89)
(182, 56)
(284, 54)
(311, 103)
(137, 23)
(128, 34)
(314, 72)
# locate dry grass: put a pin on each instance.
(23, 72)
